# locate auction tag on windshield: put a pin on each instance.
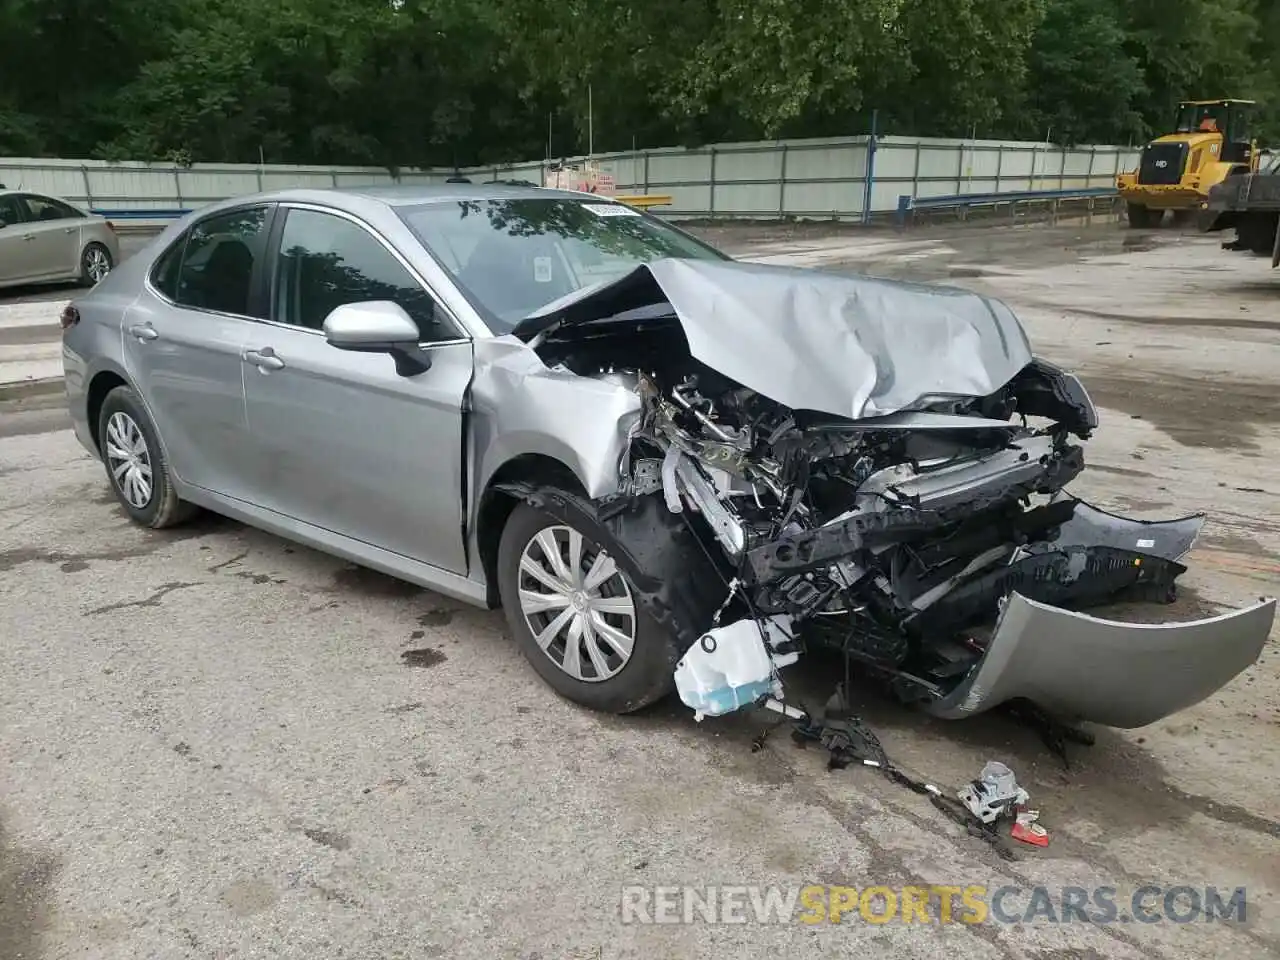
(611, 209)
(542, 269)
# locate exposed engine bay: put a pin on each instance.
(922, 543)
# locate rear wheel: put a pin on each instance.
(136, 466)
(1140, 216)
(575, 615)
(95, 264)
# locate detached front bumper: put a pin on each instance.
(1080, 667)
(1127, 675)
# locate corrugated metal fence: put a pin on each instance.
(824, 178)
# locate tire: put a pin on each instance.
(123, 424)
(1141, 217)
(93, 259)
(644, 677)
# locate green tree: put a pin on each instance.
(1083, 85)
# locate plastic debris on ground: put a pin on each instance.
(1027, 830)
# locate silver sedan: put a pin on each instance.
(47, 240)
(669, 468)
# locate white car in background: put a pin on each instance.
(47, 240)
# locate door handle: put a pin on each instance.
(143, 331)
(264, 359)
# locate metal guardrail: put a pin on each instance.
(908, 204)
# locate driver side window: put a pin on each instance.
(326, 261)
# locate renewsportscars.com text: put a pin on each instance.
(941, 904)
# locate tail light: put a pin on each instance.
(70, 316)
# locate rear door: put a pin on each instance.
(53, 229)
(183, 339)
(339, 439)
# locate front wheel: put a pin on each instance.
(136, 465)
(1141, 217)
(95, 264)
(576, 616)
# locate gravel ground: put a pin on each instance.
(216, 744)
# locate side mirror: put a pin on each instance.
(378, 326)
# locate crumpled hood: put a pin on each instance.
(843, 345)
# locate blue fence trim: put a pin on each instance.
(907, 203)
(139, 214)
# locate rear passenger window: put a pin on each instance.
(216, 267)
(46, 208)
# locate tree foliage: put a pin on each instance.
(407, 82)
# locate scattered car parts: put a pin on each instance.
(882, 468)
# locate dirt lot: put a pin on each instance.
(216, 744)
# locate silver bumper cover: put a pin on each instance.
(1117, 674)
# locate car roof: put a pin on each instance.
(404, 195)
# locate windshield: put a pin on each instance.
(1202, 118)
(513, 257)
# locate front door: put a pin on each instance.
(340, 440)
(184, 337)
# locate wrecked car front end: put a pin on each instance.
(881, 469)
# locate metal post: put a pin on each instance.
(960, 170)
(591, 126)
(1088, 180)
(646, 172)
(711, 198)
(870, 172)
(177, 186)
(88, 191)
(915, 175)
(782, 185)
(999, 165)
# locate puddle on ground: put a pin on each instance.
(426, 657)
(1192, 412)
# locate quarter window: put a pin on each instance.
(216, 266)
(326, 261)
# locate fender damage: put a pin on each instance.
(875, 467)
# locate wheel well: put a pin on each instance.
(496, 505)
(99, 387)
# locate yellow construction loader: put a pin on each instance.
(1210, 142)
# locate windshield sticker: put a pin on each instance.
(542, 269)
(611, 210)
